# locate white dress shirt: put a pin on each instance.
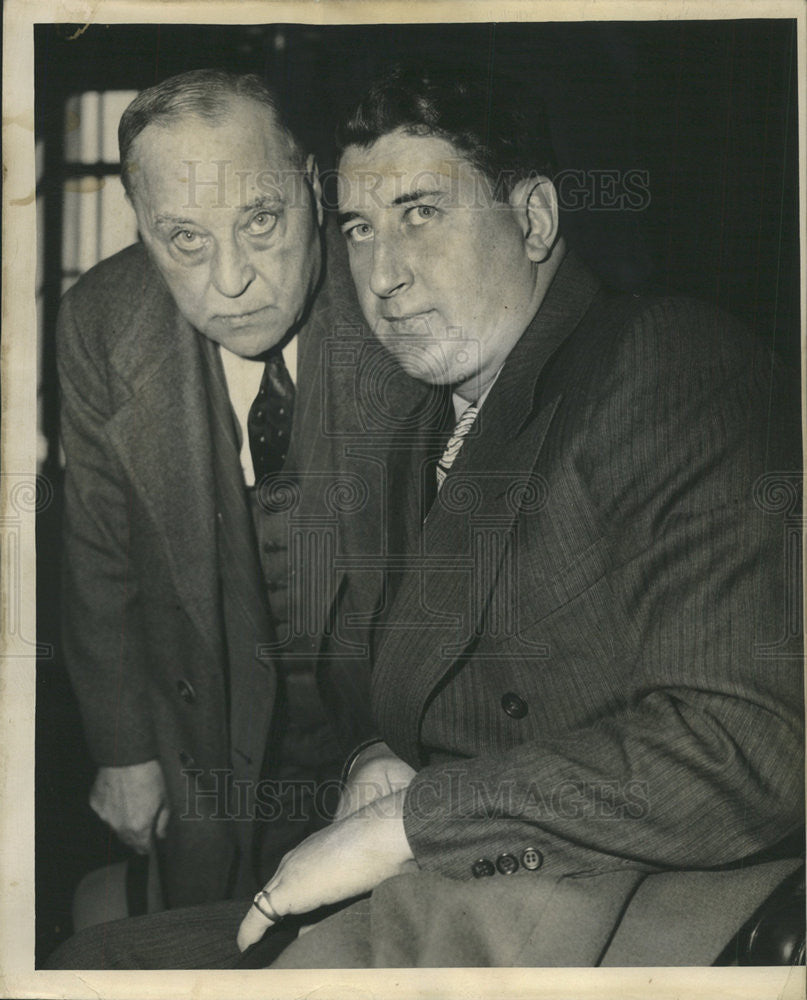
(461, 405)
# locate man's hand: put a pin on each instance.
(349, 857)
(133, 801)
(375, 773)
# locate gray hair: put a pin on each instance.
(201, 93)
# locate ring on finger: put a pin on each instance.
(263, 905)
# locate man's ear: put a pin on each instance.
(535, 202)
(312, 173)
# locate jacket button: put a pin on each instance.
(482, 868)
(186, 692)
(532, 859)
(514, 705)
(506, 864)
(186, 759)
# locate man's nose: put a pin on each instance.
(391, 272)
(232, 271)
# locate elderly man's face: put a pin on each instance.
(440, 267)
(231, 223)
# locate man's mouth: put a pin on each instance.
(413, 321)
(244, 318)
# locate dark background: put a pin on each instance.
(707, 108)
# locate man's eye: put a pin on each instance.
(419, 214)
(359, 233)
(262, 224)
(187, 239)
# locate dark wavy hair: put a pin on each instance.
(203, 93)
(489, 119)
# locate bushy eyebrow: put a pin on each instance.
(405, 199)
(262, 201)
(343, 217)
(402, 199)
(173, 220)
(266, 201)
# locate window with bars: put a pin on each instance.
(87, 206)
(97, 221)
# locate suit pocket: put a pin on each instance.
(578, 617)
(541, 596)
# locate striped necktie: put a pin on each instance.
(452, 449)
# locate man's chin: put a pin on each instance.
(426, 364)
(246, 341)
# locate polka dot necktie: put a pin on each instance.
(452, 449)
(269, 418)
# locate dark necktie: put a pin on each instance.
(270, 416)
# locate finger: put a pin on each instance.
(161, 825)
(98, 807)
(252, 929)
(140, 843)
(139, 839)
(256, 922)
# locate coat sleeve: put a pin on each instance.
(101, 627)
(697, 762)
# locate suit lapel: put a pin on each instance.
(414, 475)
(441, 598)
(461, 561)
(246, 614)
(314, 462)
(161, 362)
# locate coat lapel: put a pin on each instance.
(459, 567)
(313, 461)
(160, 360)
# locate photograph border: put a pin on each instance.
(19, 498)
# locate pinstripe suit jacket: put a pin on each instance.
(584, 658)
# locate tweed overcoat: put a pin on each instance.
(158, 542)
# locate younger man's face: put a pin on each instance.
(440, 266)
(231, 223)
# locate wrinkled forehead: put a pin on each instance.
(242, 151)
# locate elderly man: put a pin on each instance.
(586, 754)
(195, 642)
